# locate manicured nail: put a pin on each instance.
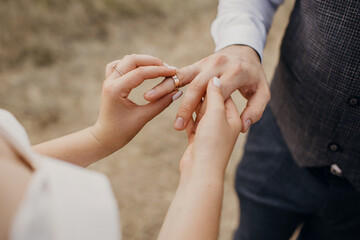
(216, 82)
(177, 95)
(179, 123)
(150, 92)
(247, 124)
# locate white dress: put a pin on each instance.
(62, 201)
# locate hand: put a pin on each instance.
(238, 67)
(202, 171)
(211, 146)
(121, 119)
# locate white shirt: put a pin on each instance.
(62, 201)
(244, 22)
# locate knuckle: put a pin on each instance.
(129, 58)
(195, 85)
(139, 72)
(185, 110)
(220, 60)
(238, 69)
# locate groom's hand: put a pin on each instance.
(238, 68)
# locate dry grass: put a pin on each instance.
(40, 31)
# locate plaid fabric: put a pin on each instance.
(316, 87)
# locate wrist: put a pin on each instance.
(100, 135)
(243, 50)
(206, 172)
(202, 179)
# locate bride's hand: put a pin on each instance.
(211, 142)
(196, 208)
(120, 119)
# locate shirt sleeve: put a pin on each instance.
(244, 22)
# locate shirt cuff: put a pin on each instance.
(240, 35)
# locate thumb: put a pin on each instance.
(255, 107)
(215, 101)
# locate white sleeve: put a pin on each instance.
(244, 22)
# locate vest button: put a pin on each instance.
(333, 147)
(334, 169)
(353, 101)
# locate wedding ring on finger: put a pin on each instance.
(118, 70)
(176, 81)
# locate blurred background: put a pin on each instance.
(52, 59)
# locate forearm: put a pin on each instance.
(196, 208)
(81, 148)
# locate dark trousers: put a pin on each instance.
(276, 195)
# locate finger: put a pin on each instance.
(191, 99)
(133, 61)
(255, 107)
(232, 115)
(150, 110)
(109, 67)
(189, 103)
(197, 112)
(135, 77)
(201, 111)
(163, 88)
(185, 76)
(258, 95)
(230, 83)
(199, 106)
(215, 101)
(190, 130)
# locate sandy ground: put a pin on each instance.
(59, 99)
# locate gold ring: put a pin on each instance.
(118, 70)
(176, 81)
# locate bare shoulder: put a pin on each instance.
(15, 175)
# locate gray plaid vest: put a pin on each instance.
(316, 86)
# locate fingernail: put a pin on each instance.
(216, 82)
(177, 95)
(150, 92)
(179, 123)
(247, 124)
